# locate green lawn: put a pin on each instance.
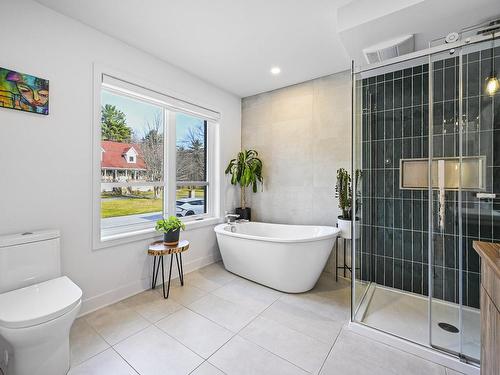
(129, 206)
(113, 205)
(184, 193)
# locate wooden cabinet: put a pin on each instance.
(490, 302)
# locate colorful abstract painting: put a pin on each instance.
(23, 92)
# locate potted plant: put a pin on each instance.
(344, 193)
(245, 170)
(171, 229)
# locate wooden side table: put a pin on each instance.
(159, 249)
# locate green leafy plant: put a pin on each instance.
(246, 170)
(343, 191)
(171, 224)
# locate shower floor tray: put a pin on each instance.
(405, 315)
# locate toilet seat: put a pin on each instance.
(39, 303)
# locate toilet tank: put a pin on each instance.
(29, 258)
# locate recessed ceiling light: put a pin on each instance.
(275, 70)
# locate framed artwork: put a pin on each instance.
(23, 92)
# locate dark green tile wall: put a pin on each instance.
(395, 121)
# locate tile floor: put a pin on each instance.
(219, 323)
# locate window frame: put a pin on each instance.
(170, 105)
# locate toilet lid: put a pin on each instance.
(39, 303)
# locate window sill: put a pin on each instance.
(149, 233)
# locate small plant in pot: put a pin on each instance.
(245, 170)
(171, 229)
(344, 193)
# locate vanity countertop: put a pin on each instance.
(490, 253)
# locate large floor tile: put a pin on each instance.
(208, 278)
(328, 298)
(248, 294)
(305, 321)
(242, 357)
(84, 342)
(198, 333)
(297, 348)
(105, 363)
(199, 281)
(217, 273)
(353, 354)
(207, 369)
(116, 322)
(186, 294)
(225, 313)
(152, 351)
(151, 305)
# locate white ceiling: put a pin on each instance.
(229, 43)
(234, 43)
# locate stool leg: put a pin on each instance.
(153, 275)
(157, 270)
(162, 276)
(179, 269)
(182, 268)
(345, 260)
(169, 275)
(336, 259)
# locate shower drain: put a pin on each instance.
(448, 327)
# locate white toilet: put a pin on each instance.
(37, 305)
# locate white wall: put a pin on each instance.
(45, 161)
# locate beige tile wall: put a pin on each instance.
(303, 133)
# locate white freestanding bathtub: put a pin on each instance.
(289, 258)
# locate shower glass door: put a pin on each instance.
(443, 190)
(464, 171)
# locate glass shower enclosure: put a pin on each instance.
(426, 138)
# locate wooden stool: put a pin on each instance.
(159, 249)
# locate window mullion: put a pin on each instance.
(171, 164)
(165, 162)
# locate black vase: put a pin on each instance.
(245, 213)
(171, 238)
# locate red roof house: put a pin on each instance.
(121, 156)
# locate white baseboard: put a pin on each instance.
(108, 298)
(415, 349)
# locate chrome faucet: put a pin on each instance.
(229, 216)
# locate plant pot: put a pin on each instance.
(245, 213)
(345, 227)
(171, 238)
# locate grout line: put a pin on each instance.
(237, 333)
(199, 355)
(331, 348)
(211, 364)
(72, 365)
(127, 362)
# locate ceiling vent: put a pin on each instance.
(491, 27)
(389, 49)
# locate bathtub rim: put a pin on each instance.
(220, 229)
